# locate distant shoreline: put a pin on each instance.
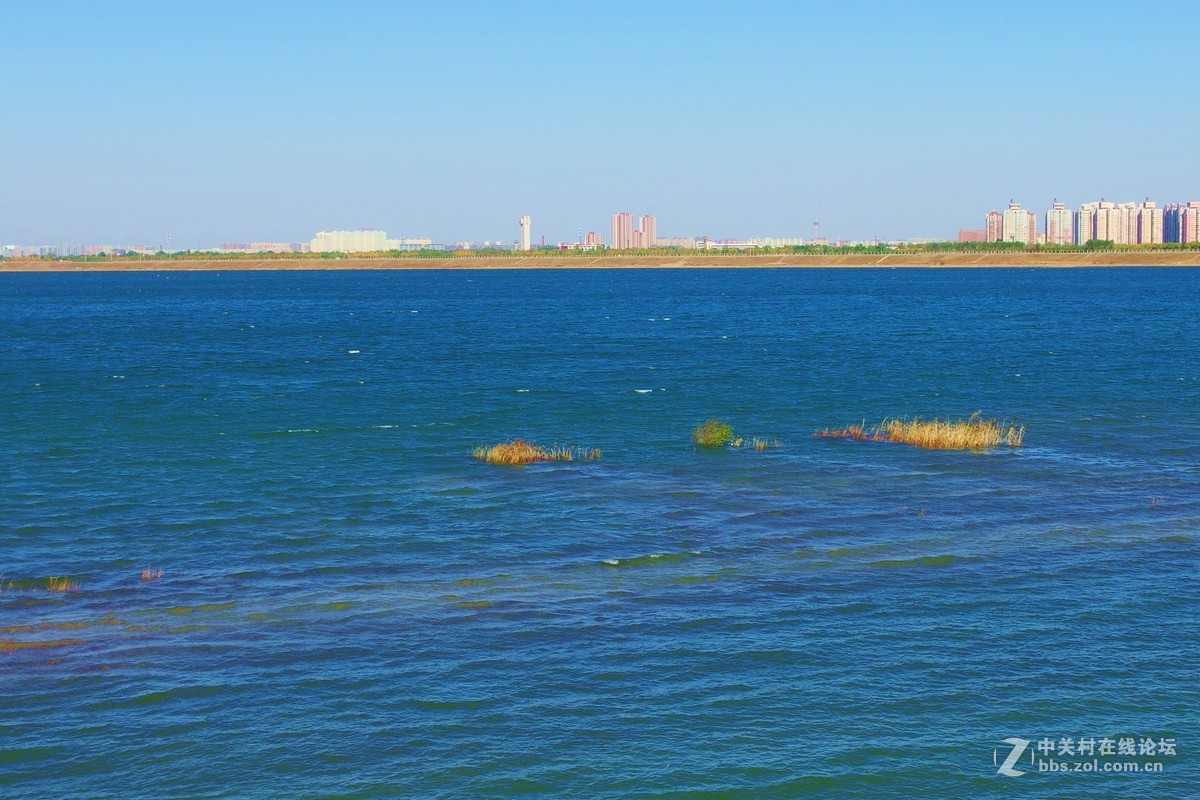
(609, 261)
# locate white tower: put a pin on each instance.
(524, 232)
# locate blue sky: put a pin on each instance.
(126, 121)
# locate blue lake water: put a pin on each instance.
(351, 606)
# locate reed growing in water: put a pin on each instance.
(713, 433)
(716, 433)
(975, 433)
(62, 584)
(520, 451)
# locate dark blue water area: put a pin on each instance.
(352, 606)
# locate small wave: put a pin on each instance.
(341, 605)
(688, 579)
(382, 427)
(353, 352)
(923, 561)
(652, 558)
(180, 611)
(522, 390)
(303, 430)
(643, 391)
(450, 705)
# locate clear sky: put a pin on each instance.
(233, 121)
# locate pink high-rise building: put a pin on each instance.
(593, 240)
(1106, 221)
(1181, 223)
(622, 231)
(1189, 223)
(649, 231)
(1126, 223)
(1085, 223)
(1149, 224)
(626, 237)
(995, 226)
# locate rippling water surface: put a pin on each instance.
(351, 606)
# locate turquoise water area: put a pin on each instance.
(351, 606)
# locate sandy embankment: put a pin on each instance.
(1189, 258)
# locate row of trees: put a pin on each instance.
(1095, 245)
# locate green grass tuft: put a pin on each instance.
(713, 433)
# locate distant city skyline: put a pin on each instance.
(633, 236)
(244, 122)
(1144, 223)
(1122, 223)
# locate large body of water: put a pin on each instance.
(351, 606)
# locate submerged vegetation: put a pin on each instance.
(61, 585)
(520, 451)
(974, 433)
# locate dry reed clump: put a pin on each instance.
(714, 433)
(762, 445)
(975, 433)
(520, 451)
(149, 574)
(61, 584)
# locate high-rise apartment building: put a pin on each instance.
(1106, 221)
(622, 231)
(1189, 224)
(1117, 222)
(649, 231)
(1060, 224)
(1019, 225)
(1106, 218)
(524, 223)
(1124, 223)
(1085, 223)
(1127, 219)
(994, 226)
(1181, 223)
(593, 240)
(625, 236)
(1149, 224)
